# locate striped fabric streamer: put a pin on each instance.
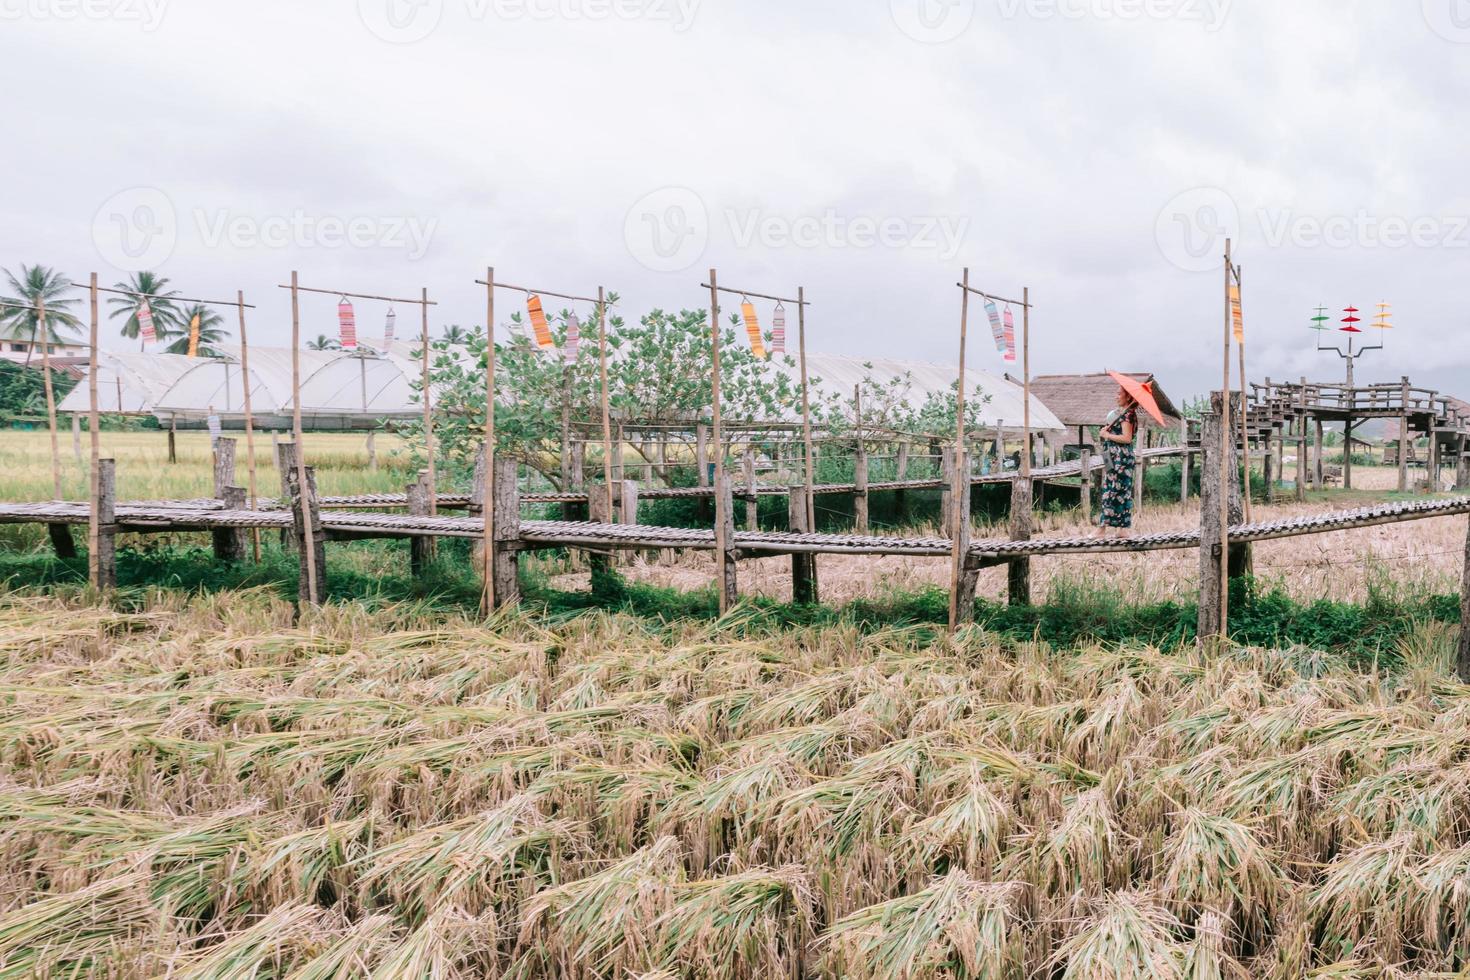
(194, 336)
(574, 338)
(778, 330)
(542, 330)
(388, 326)
(996, 328)
(753, 329)
(1010, 336)
(146, 330)
(346, 325)
(1237, 315)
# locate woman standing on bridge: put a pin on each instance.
(1117, 488)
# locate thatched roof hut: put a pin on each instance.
(1086, 399)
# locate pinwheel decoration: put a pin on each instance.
(1351, 321)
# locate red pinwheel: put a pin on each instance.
(1351, 320)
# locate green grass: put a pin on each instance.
(1078, 613)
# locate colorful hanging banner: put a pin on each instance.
(778, 330)
(1237, 316)
(388, 326)
(346, 325)
(752, 329)
(1010, 336)
(194, 336)
(1352, 320)
(1381, 321)
(574, 338)
(997, 329)
(1320, 319)
(146, 330)
(542, 330)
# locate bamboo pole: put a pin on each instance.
(722, 502)
(487, 548)
(94, 524)
(961, 471)
(428, 408)
(806, 410)
(308, 543)
(249, 420)
(50, 393)
(1026, 380)
(1245, 442)
(1225, 477)
(607, 480)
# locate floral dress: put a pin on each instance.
(1117, 488)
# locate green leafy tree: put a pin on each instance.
(323, 342)
(36, 283)
(455, 335)
(211, 331)
(161, 302)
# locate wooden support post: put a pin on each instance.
(284, 457)
(1301, 443)
(701, 455)
(1212, 604)
(599, 511)
(725, 551)
(628, 502)
(803, 565)
(372, 451)
(477, 486)
(1140, 475)
(1268, 466)
(1431, 483)
(1404, 435)
(1463, 664)
(968, 577)
(506, 516)
(1317, 479)
(860, 489)
(946, 495)
(230, 542)
(418, 506)
(76, 435)
(1018, 577)
(305, 512)
(1184, 460)
(104, 547)
(173, 448)
(1347, 455)
(752, 508)
(1462, 464)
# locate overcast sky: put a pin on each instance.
(1097, 151)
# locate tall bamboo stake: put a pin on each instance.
(487, 499)
(94, 565)
(50, 394)
(961, 471)
(1026, 381)
(1225, 477)
(716, 437)
(1245, 445)
(309, 533)
(806, 408)
(249, 420)
(428, 411)
(607, 468)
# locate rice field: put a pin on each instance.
(204, 788)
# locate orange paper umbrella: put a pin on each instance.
(1142, 392)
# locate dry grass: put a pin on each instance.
(201, 789)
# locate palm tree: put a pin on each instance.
(154, 288)
(37, 283)
(454, 335)
(323, 342)
(211, 331)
